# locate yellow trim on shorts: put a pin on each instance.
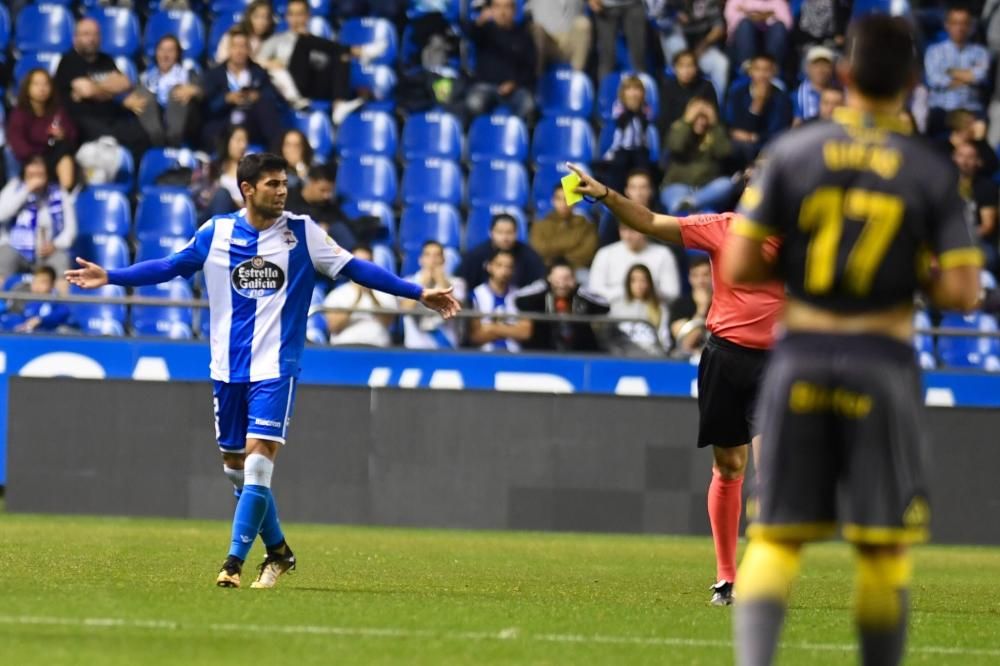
(963, 256)
(743, 226)
(793, 532)
(885, 536)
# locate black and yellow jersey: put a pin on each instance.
(859, 207)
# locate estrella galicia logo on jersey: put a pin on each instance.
(257, 278)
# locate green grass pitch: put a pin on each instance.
(77, 590)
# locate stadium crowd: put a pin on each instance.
(431, 136)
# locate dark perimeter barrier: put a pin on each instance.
(430, 458)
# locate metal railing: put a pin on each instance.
(76, 299)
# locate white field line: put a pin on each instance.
(509, 634)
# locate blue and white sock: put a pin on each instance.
(270, 529)
(253, 504)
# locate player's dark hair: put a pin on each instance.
(45, 270)
(698, 260)
(882, 53)
(326, 172)
(252, 167)
(502, 217)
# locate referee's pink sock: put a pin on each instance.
(725, 501)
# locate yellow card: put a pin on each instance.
(569, 185)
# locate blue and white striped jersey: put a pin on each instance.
(259, 286)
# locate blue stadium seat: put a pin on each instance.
(41, 60)
(183, 24)
(432, 134)
(44, 27)
(473, 12)
(367, 30)
(376, 209)
(4, 30)
(432, 179)
(379, 79)
(223, 22)
(498, 136)
(430, 221)
(173, 322)
(546, 178)
(922, 342)
(477, 228)
(158, 246)
(318, 27)
(564, 92)
(99, 318)
(125, 178)
(970, 352)
(452, 13)
(562, 138)
(219, 7)
(165, 211)
(369, 177)
(103, 210)
(316, 330)
(120, 34)
(108, 250)
(608, 135)
(156, 161)
(367, 132)
(318, 129)
(127, 67)
(607, 93)
(498, 182)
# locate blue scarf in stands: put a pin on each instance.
(24, 232)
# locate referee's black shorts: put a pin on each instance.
(729, 377)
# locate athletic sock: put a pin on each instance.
(250, 511)
(761, 593)
(881, 602)
(270, 528)
(725, 502)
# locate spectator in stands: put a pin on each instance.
(955, 70)
(756, 27)
(966, 127)
(505, 62)
(315, 198)
(424, 328)
(679, 89)
(612, 17)
(756, 110)
(294, 147)
(91, 84)
(639, 302)
(819, 77)
(359, 328)
(496, 296)
(239, 92)
(699, 31)
(829, 99)
(560, 294)
(257, 24)
(174, 85)
(37, 222)
(528, 266)
(564, 235)
(562, 33)
(612, 263)
(821, 23)
(639, 187)
(698, 145)
(275, 53)
(225, 195)
(38, 315)
(629, 147)
(688, 313)
(981, 196)
(40, 125)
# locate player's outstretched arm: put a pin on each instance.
(665, 227)
(374, 277)
(154, 271)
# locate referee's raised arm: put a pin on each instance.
(665, 227)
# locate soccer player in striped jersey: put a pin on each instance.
(260, 267)
(741, 322)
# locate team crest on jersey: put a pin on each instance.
(257, 278)
(288, 238)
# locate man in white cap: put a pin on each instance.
(819, 77)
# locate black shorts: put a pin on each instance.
(729, 377)
(843, 441)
